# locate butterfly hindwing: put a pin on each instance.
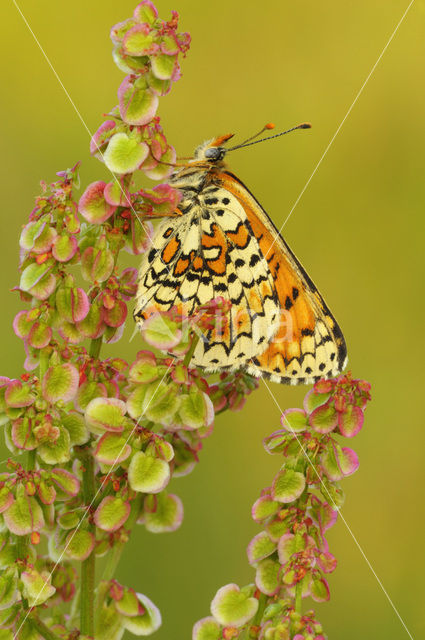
(309, 343)
(225, 245)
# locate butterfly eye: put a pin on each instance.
(215, 153)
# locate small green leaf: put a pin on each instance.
(75, 424)
(167, 514)
(60, 383)
(337, 461)
(37, 587)
(65, 481)
(313, 400)
(112, 449)
(79, 544)
(24, 516)
(263, 508)
(324, 419)
(138, 104)
(163, 66)
(139, 41)
(267, 577)
(234, 607)
(260, 547)
(33, 274)
(17, 395)
(161, 331)
(69, 519)
(196, 409)
(289, 544)
(57, 451)
(109, 624)
(319, 589)
(294, 420)
(161, 403)
(147, 474)
(207, 629)
(9, 593)
(288, 485)
(124, 154)
(6, 498)
(112, 513)
(146, 623)
(93, 206)
(106, 414)
(142, 372)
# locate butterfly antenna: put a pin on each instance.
(248, 143)
(267, 126)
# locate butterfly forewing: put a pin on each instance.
(204, 255)
(225, 245)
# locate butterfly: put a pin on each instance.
(221, 243)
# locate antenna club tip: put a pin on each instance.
(269, 125)
(305, 125)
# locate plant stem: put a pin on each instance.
(298, 596)
(22, 547)
(95, 346)
(262, 601)
(42, 629)
(23, 541)
(31, 460)
(189, 354)
(88, 566)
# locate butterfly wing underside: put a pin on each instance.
(309, 343)
(203, 255)
(225, 245)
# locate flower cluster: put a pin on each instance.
(96, 441)
(132, 139)
(291, 555)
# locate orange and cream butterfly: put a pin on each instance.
(223, 244)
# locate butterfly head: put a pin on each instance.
(212, 150)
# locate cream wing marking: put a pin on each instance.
(250, 288)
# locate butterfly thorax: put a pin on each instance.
(207, 161)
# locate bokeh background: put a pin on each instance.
(358, 229)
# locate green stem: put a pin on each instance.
(298, 596)
(31, 460)
(22, 542)
(22, 547)
(262, 602)
(189, 354)
(95, 346)
(88, 566)
(42, 629)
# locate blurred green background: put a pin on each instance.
(358, 229)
